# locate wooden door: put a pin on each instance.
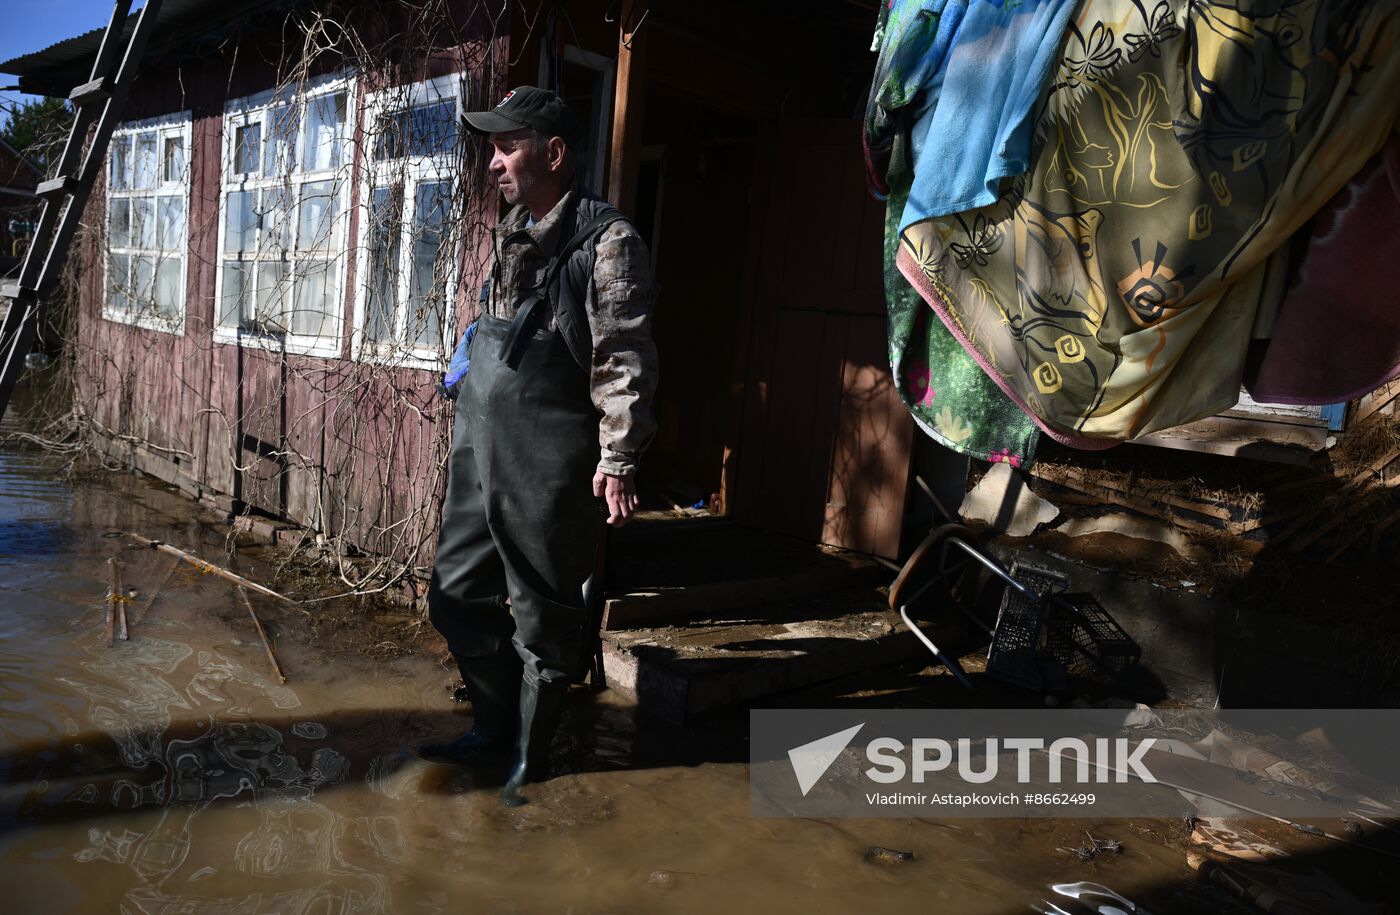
(824, 452)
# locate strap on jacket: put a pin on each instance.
(522, 328)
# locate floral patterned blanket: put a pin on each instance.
(1112, 290)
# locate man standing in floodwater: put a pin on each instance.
(551, 420)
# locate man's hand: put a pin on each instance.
(620, 493)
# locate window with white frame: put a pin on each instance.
(585, 83)
(147, 234)
(408, 277)
(282, 203)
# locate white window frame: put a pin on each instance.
(607, 66)
(177, 124)
(261, 109)
(411, 171)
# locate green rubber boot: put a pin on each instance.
(541, 707)
(494, 685)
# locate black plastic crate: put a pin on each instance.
(1014, 655)
(1079, 630)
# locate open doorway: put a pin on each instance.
(693, 207)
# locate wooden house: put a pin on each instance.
(293, 227)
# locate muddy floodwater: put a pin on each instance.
(173, 773)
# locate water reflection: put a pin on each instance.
(172, 774)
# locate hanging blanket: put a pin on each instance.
(1112, 290)
(959, 78)
(1338, 331)
(952, 399)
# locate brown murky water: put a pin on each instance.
(172, 774)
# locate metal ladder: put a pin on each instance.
(65, 196)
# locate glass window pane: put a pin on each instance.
(233, 298)
(316, 216)
(325, 119)
(276, 221)
(143, 223)
(386, 206)
(273, 296)
(428, 280)
(144, 163)
(170, 232)
(169, 290)
(240, 222)
(434, 129)
(118, 280)
(121, 163)
(312, 299)
(389, 135)
(247, 144)
(173, 160)
(427, 130)
(118, 222)
(279, 158)
(143, 282)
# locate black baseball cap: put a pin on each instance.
(530, 107)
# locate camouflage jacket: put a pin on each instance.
(618, 303)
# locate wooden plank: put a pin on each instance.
(1357, 480)
(797, 439)
(1376, 401)
(681, 673)
(204, 566)
(113, 598)
(1292, 414)
(1335, 521)
(262, 634)
(868, 484)
(1136, 504)
(1234, 437)
(740, 385)
(150, 600)
(629, 106)
(672, 606)
(1055, 474)
(748, 498)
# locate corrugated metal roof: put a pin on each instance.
(180, 27)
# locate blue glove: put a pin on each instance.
(461, 362)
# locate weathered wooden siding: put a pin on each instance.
(341, 446)
(826, 443)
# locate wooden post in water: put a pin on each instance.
(151, 599)
(277, 668)
(111, 604)
(118, 599)
(204, 566)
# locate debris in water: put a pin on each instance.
(151, 598)
(209, 567)
(257, 624)
(1243, 886)
(118, 598)
(1096, 849)
(1100, 897)
(1221, 835)
(877, 854)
